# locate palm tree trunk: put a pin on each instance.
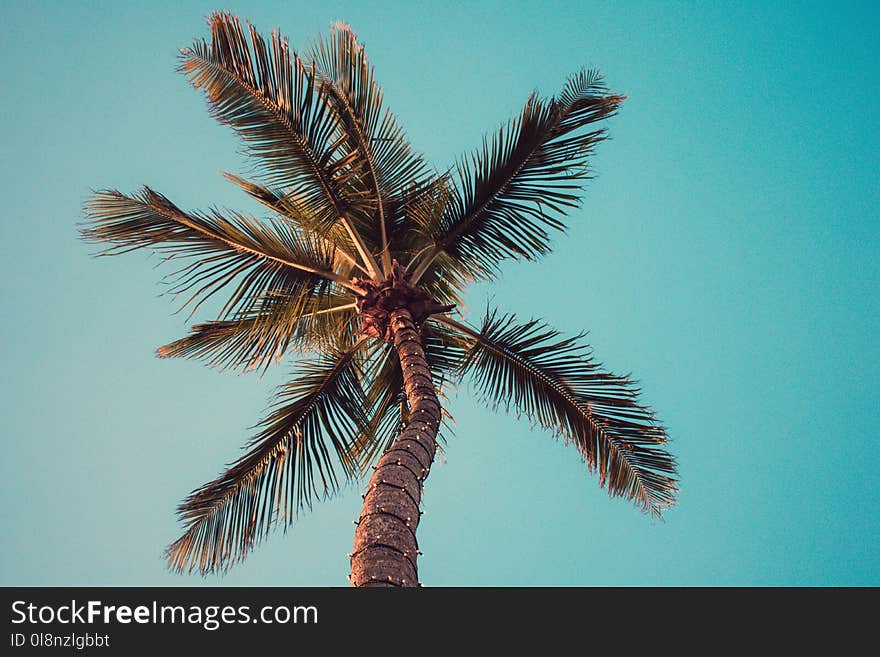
(385, 547)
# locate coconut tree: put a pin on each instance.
(357, 273)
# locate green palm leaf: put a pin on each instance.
(423, 206)
(264, 334)
(554, 382)
(523, 181)
(252, 258)
(292, 209)
(289, 463)
(278, 107)
(387, 163)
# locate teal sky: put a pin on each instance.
(726, 255)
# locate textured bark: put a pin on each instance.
(385, 546)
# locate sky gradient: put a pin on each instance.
(726, 255)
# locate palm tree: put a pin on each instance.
(364, 258)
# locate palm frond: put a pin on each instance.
(388, 409)
(387, 164)
(445, 351)
(555, 382)
(292, 461)
(264, 334)
(423, 206)
(293, 210)
(387, 401)
(252, 258)
(276, 104)
(517, 188)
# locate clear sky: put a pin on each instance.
(726, 255)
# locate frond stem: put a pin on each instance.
(416, 257)
(559, 388)
(369, 261)
(560, 114)
(367, 154)
(424, 264)
(334, 309)
(184, 220)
